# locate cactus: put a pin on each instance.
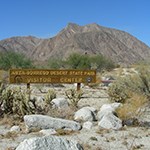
(7, 101)
(73, 96)
(2, 88)
(51, 94)
(15, 101)
(23, 107)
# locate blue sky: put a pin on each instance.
(45, 18)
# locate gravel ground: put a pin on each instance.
(128, 138)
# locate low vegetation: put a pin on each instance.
(62, 132)
(51, 94)
(132, 107)
(122, 88)
(133, 91)
(14, 60)
(15, 101)
(73, 96)
(79, 61)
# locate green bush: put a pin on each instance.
(99, 62)
(11, 59)
(79, 61)
(55, 63)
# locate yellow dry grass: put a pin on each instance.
(9, 135)
(9, 120)
(132, 107)
(65, 132)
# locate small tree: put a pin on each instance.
(54, 63)
(14, 60)
(100, 62)
(78, 61)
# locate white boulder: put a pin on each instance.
(59, 103)
(110, 121)
(47, 122)
(87, 125)
(85, 114)
(107, 109)
(48, 143)
(107, 117)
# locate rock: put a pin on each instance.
(47, 122)
(115, 105)
(48, 143)
(38, 101)
(87, 125)
(48, 131)
(107, 117)
(15, 128)
(111, 107)
(94, 110)
(59, 103)
(107, 109)
(110, 121)
(85, 114)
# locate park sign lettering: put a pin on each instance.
(51, 76)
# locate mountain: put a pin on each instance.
(92, 39)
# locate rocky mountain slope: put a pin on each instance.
(120, 46)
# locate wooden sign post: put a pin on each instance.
(78, 86)
(52, 76)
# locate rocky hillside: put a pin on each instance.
(93, 39)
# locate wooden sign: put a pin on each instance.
(51, 76)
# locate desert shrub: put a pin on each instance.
(54, 63)
(133, 91)
(78, 61)
(144, 74)
(118, 91)
(51, 94)
(11, 59)
(122, 88)
(99, 62)
(132, 107)
(74, 96)
(15, 101)
(2, 88)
